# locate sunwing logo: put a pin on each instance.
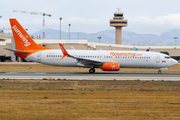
(124, 54)
(114, 66)
(26, 43)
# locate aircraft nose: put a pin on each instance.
(175, 62)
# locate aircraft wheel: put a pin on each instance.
(159, 72)
(91, 70)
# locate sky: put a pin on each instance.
(91, 16)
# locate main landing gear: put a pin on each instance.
(159, 71)
(92, 70)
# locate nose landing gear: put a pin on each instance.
(92, 70)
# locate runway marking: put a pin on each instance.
(86, 76)
(40, 73)
(11, 73)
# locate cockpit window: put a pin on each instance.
(167, 57)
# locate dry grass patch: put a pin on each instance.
(89, 105)
(45, 100)
(89, 85)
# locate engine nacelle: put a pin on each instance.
(111, 66)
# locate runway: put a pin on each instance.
(87, 76)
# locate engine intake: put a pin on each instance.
(111, 66)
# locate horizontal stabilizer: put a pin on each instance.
(17, 51)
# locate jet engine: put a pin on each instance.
(110, 66)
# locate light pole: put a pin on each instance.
(175, 40)
(1, 30)
(69, 31)
(60, 27)
(99, 39)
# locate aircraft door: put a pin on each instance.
(157, 58)
(39, 57)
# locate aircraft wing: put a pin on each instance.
(17, 51)
(87, 62)
(81, 61)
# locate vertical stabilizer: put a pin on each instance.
(22, 39)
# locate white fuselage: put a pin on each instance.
(126, 59)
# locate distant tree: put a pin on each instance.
(165, 52)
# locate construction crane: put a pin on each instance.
(37, 13)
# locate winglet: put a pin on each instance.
(65, 53)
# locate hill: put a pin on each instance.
(108, 36)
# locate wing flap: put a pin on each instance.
(88, 61)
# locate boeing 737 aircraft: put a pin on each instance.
(112, 60)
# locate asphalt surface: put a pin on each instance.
(87, 76)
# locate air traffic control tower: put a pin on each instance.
(118, 22)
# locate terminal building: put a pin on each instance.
(118, 21)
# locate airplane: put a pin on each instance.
(136, 49)
(72, 48)
(110, 60)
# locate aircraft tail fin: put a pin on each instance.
(22, 39)
(147, 50)
(136, 49)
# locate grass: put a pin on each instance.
(47, 68)
(45, 99)
(65, 99)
